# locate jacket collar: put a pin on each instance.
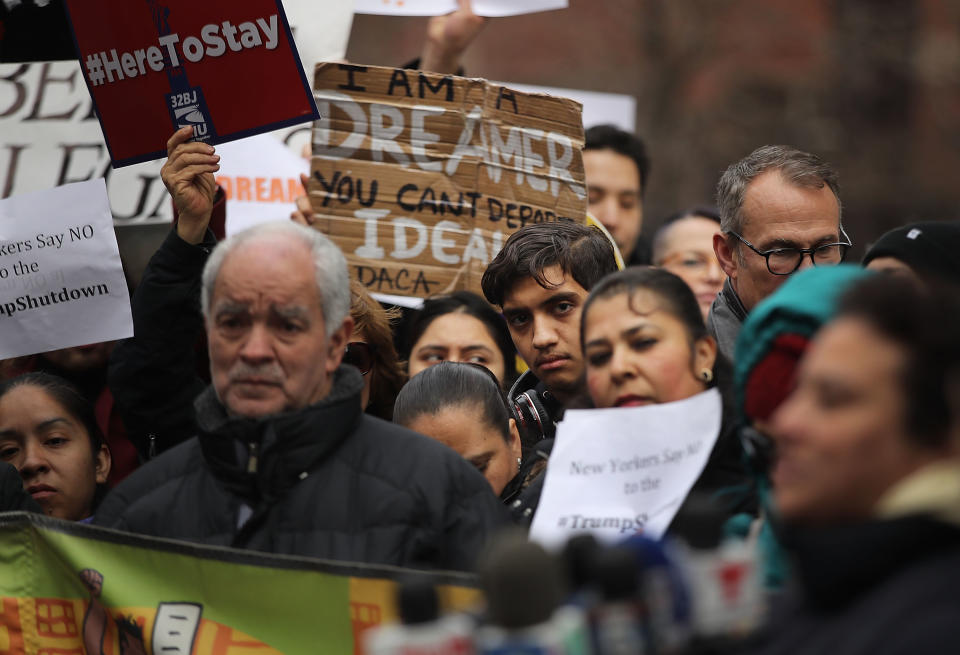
(728, 296)
(261, 458)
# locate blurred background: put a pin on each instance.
(873, 86)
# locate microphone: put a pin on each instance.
(422, 631)
(620, 620)
(524, 590)
(722, 573)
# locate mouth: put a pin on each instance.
(40, 491)
(706, 297)
(263, 382)
(633, 400)
(551, 362)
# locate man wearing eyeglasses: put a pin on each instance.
(779, 213)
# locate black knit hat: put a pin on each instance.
(930, 248)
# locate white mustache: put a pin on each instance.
(269, 373)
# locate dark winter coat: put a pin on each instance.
(327, 481)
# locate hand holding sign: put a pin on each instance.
(188, 176)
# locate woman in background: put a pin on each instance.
(49, 432)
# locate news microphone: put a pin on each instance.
(619, 622)
(422, 630)
(524, 589)
(723, 574)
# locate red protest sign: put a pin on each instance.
(229, 69)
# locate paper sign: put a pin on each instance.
(439, 7)
(261, 179)
(228, 69)
(615, 472)
(321, 28)
(61, 281)
(421, 177)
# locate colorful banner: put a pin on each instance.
(228, 69)
(420, 177)
(68, 588)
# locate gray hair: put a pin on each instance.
(797, 167)
(333, 285)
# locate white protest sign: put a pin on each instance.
(321, 29)
(614, 472)
(490, 8)
(61, 281)
(261, 179)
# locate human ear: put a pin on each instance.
(337, 344)
(704, 356)
(726, 255)
(514, 443)
(102, 464)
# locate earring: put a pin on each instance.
(707, 375)
(519, 464)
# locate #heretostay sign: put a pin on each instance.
(228, 69)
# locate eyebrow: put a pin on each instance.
(775, 244)
(230, 307)
(43, 425)
(629, 332)
(294, 311)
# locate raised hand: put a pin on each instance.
(188, 176)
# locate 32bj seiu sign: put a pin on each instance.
(420, 178)
(228, 69)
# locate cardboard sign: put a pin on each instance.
(420, 177)
(227, 69)
(439, 7)
(614, 472)
(61, 281)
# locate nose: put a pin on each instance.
(34, 460)
(606, 211)
(621, 365)
(714, 272)
(544, 334)
(787, 421)
(258, 346)
(806, 261)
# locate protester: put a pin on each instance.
(927, 250)
(284, 460)
(684, 246)
(372, 352)
(617, 170)
(461, 327)
(867, 478)
(49, 432)
(644, 343)
(85, 367)
(462, 406)
(156, 375)
(784, 206)
(770, 346)
(541, 279)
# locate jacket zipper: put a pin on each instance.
(252, 460)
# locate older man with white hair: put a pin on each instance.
(285, 461)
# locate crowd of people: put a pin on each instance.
(268, 402)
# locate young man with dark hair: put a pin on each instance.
(617, 169)
(541, 279)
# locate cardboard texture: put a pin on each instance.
(420, 177)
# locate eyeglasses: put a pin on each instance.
(784, 261)
(360, 355)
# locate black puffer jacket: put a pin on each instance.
(327, 481)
